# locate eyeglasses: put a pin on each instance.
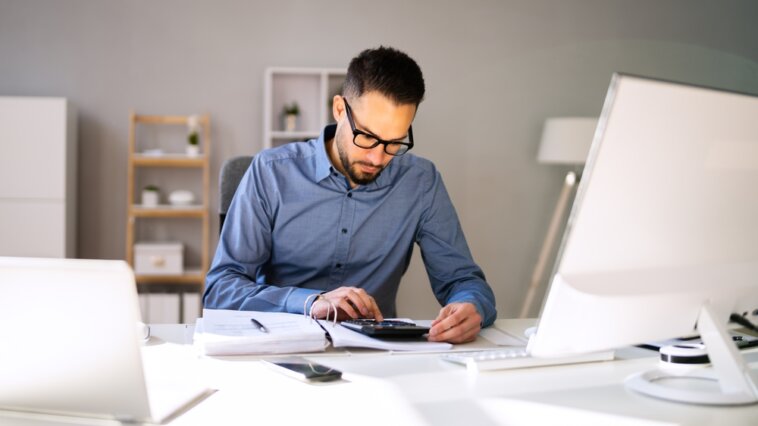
(365, 140)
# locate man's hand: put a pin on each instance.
(456, 323)
(351, 302)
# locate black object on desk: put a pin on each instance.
(743, 341)
(302, 369)
(386, 329)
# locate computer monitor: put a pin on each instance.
(662, 240)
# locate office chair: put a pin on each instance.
(231, 173)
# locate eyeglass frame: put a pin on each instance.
(358, 132)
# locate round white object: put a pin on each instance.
(181, 198)
(688, 353)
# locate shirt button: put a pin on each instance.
(350, 195)
(339, 265)
(344, 231)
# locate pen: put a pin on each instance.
(258, 324)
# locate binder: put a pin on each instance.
(227, 332)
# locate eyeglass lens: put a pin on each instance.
(368, 142)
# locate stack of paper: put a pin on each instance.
(224, 332)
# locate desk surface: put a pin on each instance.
(379, 388)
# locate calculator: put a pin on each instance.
(386, 329)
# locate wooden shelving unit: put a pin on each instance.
(188, 277)
(168, 162)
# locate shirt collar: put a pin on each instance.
(323, 164)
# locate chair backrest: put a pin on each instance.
(231, 173)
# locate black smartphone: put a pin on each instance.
(302, 369)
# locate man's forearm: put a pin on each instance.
(230, 290)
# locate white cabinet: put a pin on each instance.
(38, 146)
(311, 88)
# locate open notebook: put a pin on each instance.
(228, 332)
(70, 344)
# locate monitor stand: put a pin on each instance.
(728, 382)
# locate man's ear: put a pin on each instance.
(338, 107)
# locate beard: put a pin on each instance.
(352, 168)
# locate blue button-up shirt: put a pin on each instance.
(296, 228)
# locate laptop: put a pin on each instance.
(69, 344)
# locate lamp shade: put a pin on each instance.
(566, 140)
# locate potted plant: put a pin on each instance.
(150, 196)
(193, 137)
(291, 112)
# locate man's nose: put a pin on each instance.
(377, 156)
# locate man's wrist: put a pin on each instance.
(296, 302)
(477, 306)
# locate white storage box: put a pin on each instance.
(158, 258)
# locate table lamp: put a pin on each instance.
(565, 141)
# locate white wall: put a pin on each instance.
(494, 70)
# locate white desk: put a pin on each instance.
(420, 389)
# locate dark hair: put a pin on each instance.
(387, 71)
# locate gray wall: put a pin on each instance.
(495, 70)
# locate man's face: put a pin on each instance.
(375, 114)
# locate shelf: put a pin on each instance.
(191, 276)
(168, 160)
(160, 119)
(165, 210)
(281, 134)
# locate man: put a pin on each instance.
(332, 221)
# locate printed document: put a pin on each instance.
(227, 332)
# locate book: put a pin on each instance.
(227, 332)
